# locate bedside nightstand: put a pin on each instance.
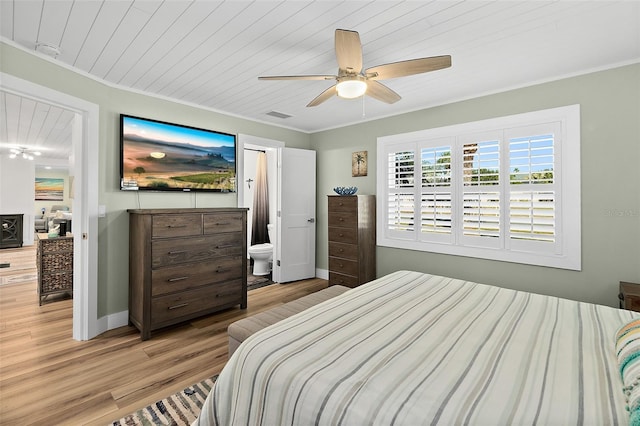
(629, 296)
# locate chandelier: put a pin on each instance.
(25, 153)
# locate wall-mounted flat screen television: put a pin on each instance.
(160, 156)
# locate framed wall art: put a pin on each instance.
(49, 189)
(359, 163)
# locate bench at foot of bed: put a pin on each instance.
(240, 330)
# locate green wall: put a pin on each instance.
(610, 113)
(610, 159)
(113, 230)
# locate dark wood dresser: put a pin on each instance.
(11, 230)
(629, 296)
(184, 263)
(352, 239)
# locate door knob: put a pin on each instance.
(312, 220)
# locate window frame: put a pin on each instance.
(564, 253)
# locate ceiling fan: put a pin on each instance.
(24, 152)
(353, 82)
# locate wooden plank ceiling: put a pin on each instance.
(210, 53)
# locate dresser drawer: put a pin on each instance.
(343, 266)
(345, 204)
(223, 222)
(632, 303)
(343, 220)
(179, 305)
(192, 275)
(343, 235)
(194, 249)
(166, 226)
(345, 251)
(340, 279)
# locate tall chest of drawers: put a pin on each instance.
(185, 263)
(352, 239)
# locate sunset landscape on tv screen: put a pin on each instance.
(161, 156)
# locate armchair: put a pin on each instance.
(41, 223)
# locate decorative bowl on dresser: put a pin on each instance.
(352, 239)
(185, 263)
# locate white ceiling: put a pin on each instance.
(210, 53)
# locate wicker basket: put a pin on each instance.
(57, 262)
(62, 281)
(55, 266)
(59, 244)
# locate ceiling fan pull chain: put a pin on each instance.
(363, 114)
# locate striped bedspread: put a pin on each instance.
(413, 349)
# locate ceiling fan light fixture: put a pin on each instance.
(350, 89)
(24, 152)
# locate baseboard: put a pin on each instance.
(111, 321)
(322, 273)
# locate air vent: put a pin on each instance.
(278, 114)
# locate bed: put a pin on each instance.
(412, 348)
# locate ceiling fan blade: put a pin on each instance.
(410, 67)
(298, 77)
(348, 51)
(323, 96)
(381, 92)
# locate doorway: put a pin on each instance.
(294, 212)
(85, 135)
(247, 147)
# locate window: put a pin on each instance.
(504, 189)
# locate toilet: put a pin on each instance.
(262, 254)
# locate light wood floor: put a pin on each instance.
(46, 377)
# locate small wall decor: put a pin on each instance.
(359, 163)
(49, 189)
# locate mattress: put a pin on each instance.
(412, 348)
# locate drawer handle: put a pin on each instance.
(221, 270)
(341, 219)
(176, 226)
(182, 305)
(342, 235)
(172, 280)
(341, 250)
(223, 223)
(225, 246)
(171, 253)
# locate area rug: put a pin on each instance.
(18, 279)
(254, 282)
(257, 281)
(179, 409)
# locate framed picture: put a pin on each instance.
(49, 189)
(359, 163)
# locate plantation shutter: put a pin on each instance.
(533, 188)
(401, 181)
(481, 190)
(436, 203)
(506, 189)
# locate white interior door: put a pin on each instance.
(296, 254)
